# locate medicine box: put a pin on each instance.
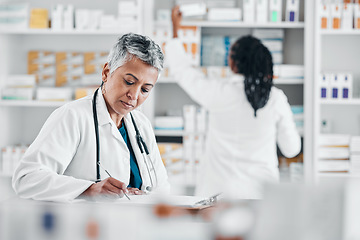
(224, 14)
(39, 18)
(262, 8)
(57, 13)
(346, 85)
(324, 16)
(335, 86)
(331, 165)
(357, 16)
(275, 10)
(127, 8)
(335, 11)
(324, 86)
(193, 9)
(347, 16)
(68, 17)
(249, 10)
(292, 10)
(54, 94)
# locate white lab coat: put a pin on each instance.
(240, 150)
(61, 163)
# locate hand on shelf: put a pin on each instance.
(176, 18)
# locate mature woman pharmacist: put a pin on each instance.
(247, 117)
(61, 164)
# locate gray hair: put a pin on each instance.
(134, 45)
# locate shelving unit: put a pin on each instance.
(61, 32)
(23, 119)
(332, 53)
(34, 103)
(235, 24)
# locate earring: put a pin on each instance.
(103, 91)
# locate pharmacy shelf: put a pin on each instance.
(235, 24)
(31, 103)
(49, 31)
(290, 81)
(175, 133)
(339, 175)
(340, 32)
(355, 101)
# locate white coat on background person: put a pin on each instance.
(240, 152)
(60, 165)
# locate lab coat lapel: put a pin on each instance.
(139, 158)
(104, 117)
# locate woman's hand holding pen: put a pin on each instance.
(109, 187)
(176, 18)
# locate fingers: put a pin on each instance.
(135, 191)
(118, 184)
(114, 186)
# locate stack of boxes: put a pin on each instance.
(273, 40)
(215, 50)
(334, 153)
(336, 86)
(66, 17)
(14, 16)
(288, 72)
(57, 72)
(340, 15)
(19, 87)
(355, 155)
(195, 126)
(42, 64)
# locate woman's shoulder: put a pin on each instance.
(76, 107)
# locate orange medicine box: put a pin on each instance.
(336, 15)
(324, 15)
(39, 18)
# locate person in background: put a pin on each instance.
(61, 164)
(248, 117)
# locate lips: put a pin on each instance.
(127, 105)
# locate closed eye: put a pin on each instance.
(128, 83)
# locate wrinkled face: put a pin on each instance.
(128, 86)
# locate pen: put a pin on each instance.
(209, 200)
(111, 176)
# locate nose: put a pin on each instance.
(133, 93)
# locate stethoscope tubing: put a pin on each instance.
(141, 144)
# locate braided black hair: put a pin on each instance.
(252, 59)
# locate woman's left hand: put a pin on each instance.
(135, 191)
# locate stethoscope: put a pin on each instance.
(140, 142)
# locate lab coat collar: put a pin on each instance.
(102, 111)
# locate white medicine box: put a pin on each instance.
(292, 10)
(275, 10)
(357, 16)
(249, 10)
(324, 16)
(261, 11)
(335, 11)
(346, 81)
(324, 86)
(335, 86)
(347, 16)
